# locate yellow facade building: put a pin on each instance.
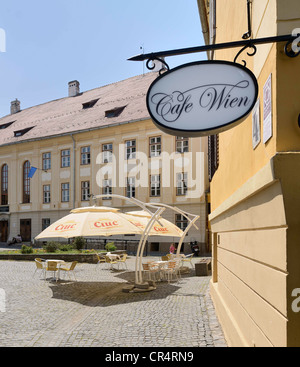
(98, 142)
(255, 189)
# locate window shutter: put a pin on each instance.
(213, 155)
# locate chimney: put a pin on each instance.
(74, 88)
(15, 107)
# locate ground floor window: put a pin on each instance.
(45, 223)
(154, 246)
(181, 221)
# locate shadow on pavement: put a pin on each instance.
(103, 294)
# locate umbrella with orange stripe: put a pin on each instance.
(90, 221)
(162, 228)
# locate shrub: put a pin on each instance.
(79, 243)
(26, 249)
(51, 246)
(110, 246)
(66, 247)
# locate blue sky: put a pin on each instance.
(49, 43)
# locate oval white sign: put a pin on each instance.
(202, 98)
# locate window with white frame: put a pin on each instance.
(46, 194)
(130, 149)
(130, 187)
(107, 189)
(107, 151)
(181, 221)
(65, 192)
(85, 156)
(181, 184)
(46, 161)
(85, 190)
(155, 146)
(182, 144)
(155, 185)
(65, 158)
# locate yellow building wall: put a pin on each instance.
(255, 193)
(235, 146)
(141, 131)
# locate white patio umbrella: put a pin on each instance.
(90, 221)
(162, 228)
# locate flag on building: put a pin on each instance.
(32, 172)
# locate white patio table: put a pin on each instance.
(161, 264)
(59, 264)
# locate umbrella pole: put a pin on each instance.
(154, 217)
(137, 280)
(147, 230)
(186, 215)
(184, 234)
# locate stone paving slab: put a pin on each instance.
(95, 312)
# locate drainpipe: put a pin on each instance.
(204, 20)
(208, 24)
(74, 170)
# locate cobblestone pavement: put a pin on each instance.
(95, 312)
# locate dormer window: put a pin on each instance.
(4, 126)
(115, 112)
(22, 132)
(90, 104)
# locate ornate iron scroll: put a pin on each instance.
(152, 67)
(249, 45)
(288, 49)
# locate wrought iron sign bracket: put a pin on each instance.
(290, 41)
(151, 64)
(249, 33)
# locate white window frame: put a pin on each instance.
(181, 183)
(46, 194)
(107, 153)
(47, 161)
(85, 156)
(130, 187)
(130, 149)
(65, 192)
(155, 189)
(155, 146)
(182, 145)
(181, 221)
(85, 190)
(65, 158)
(107, 188)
